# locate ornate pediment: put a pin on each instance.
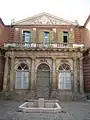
(43, 19)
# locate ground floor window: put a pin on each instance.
(22, 77)
(64, 81)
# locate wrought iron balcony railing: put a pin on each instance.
(41, 45)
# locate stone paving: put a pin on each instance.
(71, 111)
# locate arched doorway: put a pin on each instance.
(43, 81)
(64, 82)
(22, 77)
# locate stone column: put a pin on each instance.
(12, 74)
(5, 74)
(54, 82)
(54, 75)
(75, 75)
(81, 76)
(33, 75)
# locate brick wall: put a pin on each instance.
(15, 34)
(3, 34)
(86, 71)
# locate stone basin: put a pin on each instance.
(40, 105)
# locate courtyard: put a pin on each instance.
(73, 110)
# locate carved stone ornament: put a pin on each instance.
(44, 19)
(43, 60)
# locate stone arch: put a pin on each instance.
(43, 66)
(23, 66)
(64, 66)
(18, 63)
(58, 65)
(42, 63)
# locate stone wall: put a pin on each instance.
(53, 58)
(1, 69)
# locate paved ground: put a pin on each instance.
(71, 111)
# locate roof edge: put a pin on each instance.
(87, 20)
(2, 21)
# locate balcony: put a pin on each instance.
(41, 45)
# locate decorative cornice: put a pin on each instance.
(46, 49)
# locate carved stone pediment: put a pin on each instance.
(43, 19)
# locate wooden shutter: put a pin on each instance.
(71, 36)
(33, 35)
(60, 36)
(51, 36)
(22, 36)
(41, 36)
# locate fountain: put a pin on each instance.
(40, 106)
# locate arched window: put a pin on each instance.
(22, 77)
(64, 77)
(43, 67)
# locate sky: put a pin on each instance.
(67, 9)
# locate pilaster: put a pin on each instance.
(5, 74)
(81, 76)
(12, 74)
(75, 75)
(33, 75)
(54, 74)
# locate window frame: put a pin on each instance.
(22, 78)
(23, 38)
(47, 41)
(63, 81)
(67, 35)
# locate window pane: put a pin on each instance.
(22, 80)
(65, 33)
(18, 74)
(18, 80)
(25, 83)
(67, 85)
(25, 80)
(46, 37)
(64, 80)
(65, 37)
(25, 74)
(27, 39)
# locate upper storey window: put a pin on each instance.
(46, 37)
(65, 37)
(27, 38)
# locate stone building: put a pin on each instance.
(86, 60)
(3, 37)
(44, 57)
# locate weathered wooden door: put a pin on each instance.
(43, 81)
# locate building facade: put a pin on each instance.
(44, 58)
(86, 60)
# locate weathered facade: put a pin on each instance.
(86, 60)
(3, 36)
(44, 58)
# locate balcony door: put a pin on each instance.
(27, 38)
